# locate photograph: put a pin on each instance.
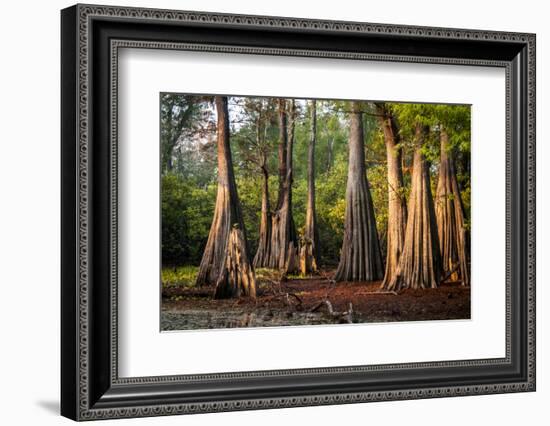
(299, 212)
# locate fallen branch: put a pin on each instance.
(346, 316)
(395, 293)
(277, 291)
(300, 303)
(318, 306)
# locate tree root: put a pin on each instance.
(451, 272)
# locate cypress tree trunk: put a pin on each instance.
(397, 207)
(420, 262)
(309, 251)
(226, 261)
(283, 253)
(264, 245)
(282, 151)
(450, 218)
(360, 258)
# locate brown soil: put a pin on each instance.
(303, 301)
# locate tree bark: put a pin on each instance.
(360, 258)
(261, 259)
(450, 218)
(420, 262)
(397, 206)
(284, 243)
(309, 251)
(237, 277)
(282, 150)
(226, 262)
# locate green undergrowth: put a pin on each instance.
(185, 276)
(180, 276)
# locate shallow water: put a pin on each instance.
(201, 319)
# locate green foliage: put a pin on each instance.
(331, 207)
(186, 218)
(250, 195)
(378, 182)
(456, 119)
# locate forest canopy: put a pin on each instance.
(397, 144)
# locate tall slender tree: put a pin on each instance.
(450, 217)
(283, 253)
(282, 151)
(261, 258)
(420, 262)
(226, 261)
(360, 257)
(397, 206)
(309, 251)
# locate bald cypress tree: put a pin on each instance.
(397, 206)
(226, 261)
(263, 111)
(309, 252)
(450, 217)
(420, 262)
(283, 252)
(261, 259)
(360, 257)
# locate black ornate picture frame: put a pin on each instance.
(91, 36)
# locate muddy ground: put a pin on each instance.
(310, 301)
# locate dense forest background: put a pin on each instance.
(189, 165)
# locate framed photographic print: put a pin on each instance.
(263, 212)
